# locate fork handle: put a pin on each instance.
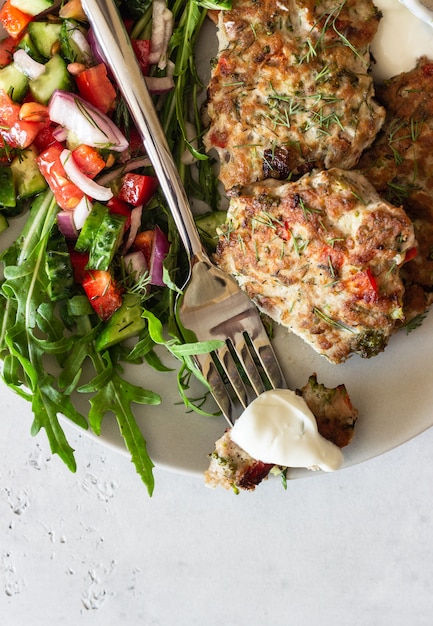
(117, 50)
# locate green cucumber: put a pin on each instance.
(45, 36)
(58, 267)
(90, 227)
(56, 76)
(27, 44)
(106, 242)
(13, 82)
(126, 322)
(32, 7)
(207, 225)
(26, 175)
(8, 197)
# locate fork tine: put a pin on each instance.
(229, 365)
(243, 355)
(263, 348)
(218, 386)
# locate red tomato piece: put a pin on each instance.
(144, 243)
(14, 132)
(66, 193)
(141, 48)
(79, 261)
(119, 207)
(88, 160)
(44, 138)
(13, 20)
(372, 280)
(7, 48)
(95, 87)
(411, 254)
(137, 189)
(103, 293)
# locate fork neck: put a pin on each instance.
(118, 53)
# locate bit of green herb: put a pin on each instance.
(414, 322)
(329, 320)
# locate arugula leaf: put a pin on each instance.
(25, 316)
(45, 364)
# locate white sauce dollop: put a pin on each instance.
(400, 40)
(279, 428)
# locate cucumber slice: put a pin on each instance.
(27, 44)
(56, 76)
(58, 267)
(26, 175)
(207, 225)
(90, 227)
(126, 322)
(8, 196)
(45, 36)
(32, 7)
(106, 242)
(13, 82)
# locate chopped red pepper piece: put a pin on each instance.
(119, 207)
(95, 87)
(137, 189)
(411, 254)
(14, 132)
(13, 20)
(66, 193)
(88, 160)
(103, 293)
(79, 261)
(141, 48)
(7, 48)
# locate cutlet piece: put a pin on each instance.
(232, 468)
(400, 166)
(291, 89)
(335, 415)
(321, 256)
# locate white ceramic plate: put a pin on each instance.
(393, 393)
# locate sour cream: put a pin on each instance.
(400, 40)
(279, 428)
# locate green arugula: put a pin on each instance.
(44, 362)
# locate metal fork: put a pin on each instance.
(212, 305)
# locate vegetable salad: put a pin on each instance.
(92, 279)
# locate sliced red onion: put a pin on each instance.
(160, 250)
(88, 186)
(135, 263)
(89, 125)
(28, 66)
(81, 212)
(95, 47)
(159, 84)
(60, 133)
(130, 166)
(136, 214)
(65, 222)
